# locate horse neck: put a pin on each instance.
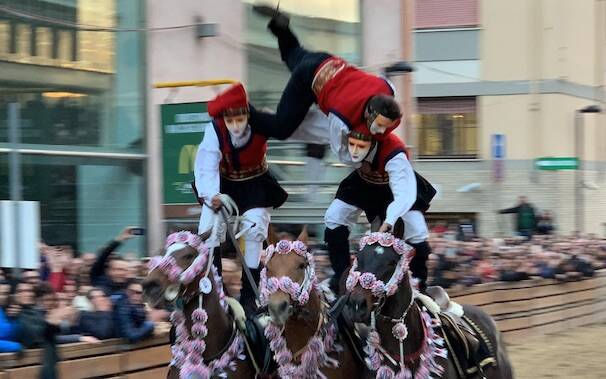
(394, 308)
(301, 327)
(218, 324)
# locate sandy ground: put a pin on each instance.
(576, 354)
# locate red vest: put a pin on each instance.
(389, 147)
(344, 90)
(241, 163)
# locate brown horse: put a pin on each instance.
(185, 276)
(399, 330)
(300, 318)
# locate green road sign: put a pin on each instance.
(557, 163)
(182, 131)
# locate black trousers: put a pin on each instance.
(297, 97)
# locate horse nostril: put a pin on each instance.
(283, 306)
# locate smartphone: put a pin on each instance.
(137, 231)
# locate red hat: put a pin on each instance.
(232, 101)
(360, 132)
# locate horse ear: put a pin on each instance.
(204, 236)
(375, 224)
(272, 237)
(398, 229)
(303, 236)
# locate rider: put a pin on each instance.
(351, 98)
(231, 160)
(383, 185)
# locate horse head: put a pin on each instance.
(173, 273)
(288, 277)
(378, 272)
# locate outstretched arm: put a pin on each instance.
(403, 185)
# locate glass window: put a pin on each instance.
(83, 201)
(447, 128)
(81, 88)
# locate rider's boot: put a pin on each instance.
(247, 294)
(338, 251)
(418, 264)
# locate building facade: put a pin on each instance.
(521, 70)
(74, 71)
(516, 69)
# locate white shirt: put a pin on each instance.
(319, 128)
(403, 184)
(208, 158)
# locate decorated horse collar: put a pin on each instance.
(368, 280)
(315, 354)
(188, 350)
(431, 346)
(299, 293)
(202, 265)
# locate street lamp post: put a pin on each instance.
(579, 176)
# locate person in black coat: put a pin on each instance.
(99, 322)
(111, 274)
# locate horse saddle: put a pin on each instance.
(469, 347)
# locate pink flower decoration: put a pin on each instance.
(171, 239)
(199, 315)
(373, 238)
(378, 288)
(199, 330)
(182, 237)
(400, 331)
(299, 248)
(367, 280)
(286, 283)
(386, 239)
(352, 280)
(303, 298)
(283, 247)
(385, 373)
(198, 346)
(273, 284)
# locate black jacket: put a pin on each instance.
(98, 276)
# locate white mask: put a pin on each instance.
(358, 153)
(376, 129)
(236, 128)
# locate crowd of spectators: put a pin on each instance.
(456, 263)
(76, 298)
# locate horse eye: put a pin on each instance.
(301, 266)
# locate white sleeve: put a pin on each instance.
(206, 168)
(403, 185)
(313, 129)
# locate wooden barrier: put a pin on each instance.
(539, 306)
(108, 359)
(520, 309)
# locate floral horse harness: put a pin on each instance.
(314, 355)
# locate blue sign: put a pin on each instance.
(497, 146)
